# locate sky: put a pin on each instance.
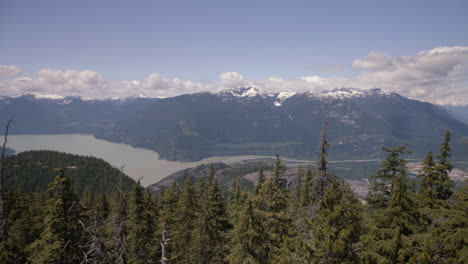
(102, 49)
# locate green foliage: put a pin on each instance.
(141, 228)
(61, 235)
(445, 184)
(32, 171)
(212, 225)
(429, 178)
(276, 223)
(306, 194)
(338, 226)
(398, 220)
(382, 182)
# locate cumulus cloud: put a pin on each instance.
(439, 75)
(9, 71)
(232, 80)
(64, 83)
(373, 61)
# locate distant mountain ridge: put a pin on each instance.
(246, 120)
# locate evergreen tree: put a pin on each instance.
(141, 228)
(398, 221)
(306, 196)
(260, 181)
(338, 226)
(116, 228)
(429, 180)
(382, 182)
(278, 170)
(445, 184)
(249, 236)
(184, 226)
(210, 238)
(20, 231)
(271, 204)
(323, 161)
(167, 205)
(61, 235)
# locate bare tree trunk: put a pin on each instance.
(163, 245)
(323, 159)
(4, 231)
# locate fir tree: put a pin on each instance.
(323, 161)
(210, 238)
(248, 245)
(271, 204)
(306, 198)
(61, 235)
(429, 181)
(445, 184)
(141, 228)
(382, 182)
(278, 170)
(260, 181)
(398, 221)
(185, 220)
(116, 228)
(338, 226)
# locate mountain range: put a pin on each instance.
(248, 120)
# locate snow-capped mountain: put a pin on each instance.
(246, 120)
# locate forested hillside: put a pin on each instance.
(247, 121)
(32, 171)
(318, 220)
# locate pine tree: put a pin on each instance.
(306, 198)
(116, 228)
(429, 181)
(338, 226)
(260, 181)
(210, 238)
(61, 235)
(278, 171)
(141, 228)
(271, 204)
(382, 182)
(248, 245)
(185, 220)
(445, 184)
(398, 221)
(323, 161)
(20, 231)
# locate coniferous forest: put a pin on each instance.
(402, 220)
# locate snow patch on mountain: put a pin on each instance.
(243, 92)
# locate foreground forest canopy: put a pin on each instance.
(403, 219)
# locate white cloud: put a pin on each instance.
(9, 71)
(373, 61)
(439, 75)
(232, 80)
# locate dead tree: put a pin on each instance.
(323, 159)
(4, 231)
(94, 246)
(163, 245)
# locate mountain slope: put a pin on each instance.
(68, 115)
(34, 170)
(250, 121)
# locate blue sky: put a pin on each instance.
(199, 40)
